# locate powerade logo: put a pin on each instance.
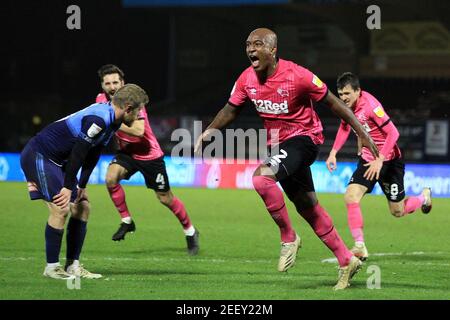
(415, 181)
(267, 106)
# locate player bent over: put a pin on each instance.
(51, 160)
(283, 94)
(139, 151)
(388, 169)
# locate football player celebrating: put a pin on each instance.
(283, 93)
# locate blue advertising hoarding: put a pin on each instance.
(188, 174)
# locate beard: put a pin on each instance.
(110, 94)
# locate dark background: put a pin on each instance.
(187, 58)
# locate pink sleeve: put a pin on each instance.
(101, 98)
(238, 95)
(382, 120)
(391, 138)
(311, 84)
(376, 112)
(341, 136)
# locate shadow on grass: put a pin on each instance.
(145, 272)
(152, 251)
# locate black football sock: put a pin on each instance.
(53, 239)
(76, 232)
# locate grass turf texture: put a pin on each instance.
(239, 250)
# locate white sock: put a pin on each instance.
(53, 265)
(126, 220)
(189, 231)
(359, 243)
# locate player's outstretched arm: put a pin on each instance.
(338, 107)
(223, 118)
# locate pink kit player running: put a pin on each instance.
(283, 93)
(139, 151)
(388, 169)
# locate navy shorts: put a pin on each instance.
(45, 178)
(291, 165)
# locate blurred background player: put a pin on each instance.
(283, 94)
(387, 169)
(139, 150)
(51, 160)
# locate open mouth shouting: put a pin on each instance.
(254, 60)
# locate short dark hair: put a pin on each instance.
(348, 78)
(110, 69)
(130, 94)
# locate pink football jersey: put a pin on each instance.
(284, 101)
(371, 115)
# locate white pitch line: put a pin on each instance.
(246, 261)
(382, 254)
(16, 258)
(260, 261)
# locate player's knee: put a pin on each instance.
(257, 172)
(261, 182)
(165, 199)
(85, 208)
(304, 203)
(60, 213)
(303, 200)
(351, 197)
(264, 170)
(397, 209)
(111, 180)
(396, 212)
(81, 210)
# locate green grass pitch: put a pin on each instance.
(238, 255)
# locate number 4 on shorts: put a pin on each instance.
(160, 178)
